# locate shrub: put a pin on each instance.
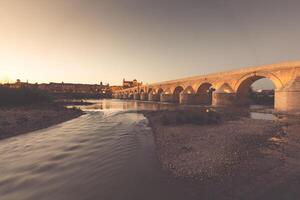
(22, 96)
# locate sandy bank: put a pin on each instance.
(19, 120)
(235, 159)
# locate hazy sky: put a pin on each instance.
(90, 41)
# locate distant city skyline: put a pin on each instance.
(91, 41)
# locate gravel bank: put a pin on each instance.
(235, 159)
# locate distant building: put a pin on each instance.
(130, 84)
(116, 88)
(74, 88)
(62, 87)
(19, 84)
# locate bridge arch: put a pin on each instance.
(204, 93)
(204, 87)
(189, 90)
(160, 90)
(243, 86)
(167, 91)
(130, 95)
(176, 93)
(254, 76)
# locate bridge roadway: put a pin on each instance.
(224, 88)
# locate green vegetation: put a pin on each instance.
(23, 96)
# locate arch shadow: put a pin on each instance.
(204, 93)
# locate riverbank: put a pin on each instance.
(16, 120)
(235, 158)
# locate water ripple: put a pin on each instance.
(105, 154)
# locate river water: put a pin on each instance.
(109, 153)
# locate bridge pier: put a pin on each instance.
(130, 96)
(125, 96)
(287, 99)
(154, 97)
(136, 96)
(224, 99)
(204, 99)
(188, 99)
(166, 97)
(144, 96)
(224, 96)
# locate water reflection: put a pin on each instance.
(253, 112)
(107, 154)
(264, 116)
(128, 105)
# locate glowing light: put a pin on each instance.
(227, 90)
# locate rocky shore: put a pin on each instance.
(23, 119)
(236, 158)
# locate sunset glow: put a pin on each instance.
(43, 41)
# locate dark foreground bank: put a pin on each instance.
(25, 110)
(23, 119)
(230, 157)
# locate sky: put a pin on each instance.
(88, 41)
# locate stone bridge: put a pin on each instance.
(224, 88)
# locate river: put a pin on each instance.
(109, 153)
